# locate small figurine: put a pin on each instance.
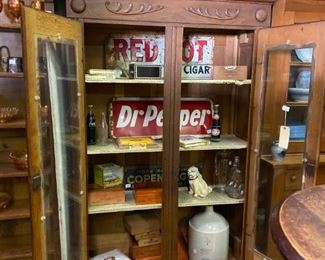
(198, 186)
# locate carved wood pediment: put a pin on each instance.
(131, 8)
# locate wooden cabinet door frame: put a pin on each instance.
(286, 37)
(40, 25)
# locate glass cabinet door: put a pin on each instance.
(55, 125)
(286, 123)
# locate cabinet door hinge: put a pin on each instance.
(36, 182)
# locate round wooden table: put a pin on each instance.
(298, 225)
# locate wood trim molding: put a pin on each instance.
(305, 6)
(130, 8)
(215, 13)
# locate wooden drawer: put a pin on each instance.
(293, 179)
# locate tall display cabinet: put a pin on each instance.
(15, 218)
(231, 24)
(59, 51)
(288, 77)
(15, 224)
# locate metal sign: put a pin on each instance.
(198, 57)
(132, 117)
(148, 49)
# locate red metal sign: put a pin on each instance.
(144, 117)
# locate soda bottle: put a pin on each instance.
(103, 131)
(91, 126)
(215, 129)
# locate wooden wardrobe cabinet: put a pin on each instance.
(233, 25)
(15, 220)
(278, 76)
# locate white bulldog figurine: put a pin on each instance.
(198, 186)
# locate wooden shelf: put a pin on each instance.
(10, 27)
(297, 104)
(187, 81)
(129, 81)
(16, 253)
(216, 197)
(21, 123)
(8, 170)
(227, 142)
(246, 82)
(18, 210)
(11, 75)
(19, 247)
(300, 64)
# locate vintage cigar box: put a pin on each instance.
(146, 251)
(138, 223)
(101, 196)
(158, 257)
(230, 72)
(100, 243)
(147, 195)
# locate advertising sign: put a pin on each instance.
(144, 117)
(198, 57)
(147, 50)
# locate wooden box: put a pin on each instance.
(101, 243)
(147, 195)
(101, 196)
(230, 72)
(146, 251)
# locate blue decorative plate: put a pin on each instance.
(304, 54)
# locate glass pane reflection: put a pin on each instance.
(287, 82)
(59, 124)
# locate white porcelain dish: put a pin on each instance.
(298, 94)
(303, 79)
(304, 54)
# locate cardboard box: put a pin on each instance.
(230, 72)
(108, 175)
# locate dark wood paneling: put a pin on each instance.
(172, 94)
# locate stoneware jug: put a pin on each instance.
(208, 236)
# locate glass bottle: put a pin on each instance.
(221, 162)
(235, 183)
(215, 129)
(103, 131)
(91, 126)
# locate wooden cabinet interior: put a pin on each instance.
(15, 221)
(233, 45)
(275, 180)
(15, 224)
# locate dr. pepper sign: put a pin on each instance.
(144, 117)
